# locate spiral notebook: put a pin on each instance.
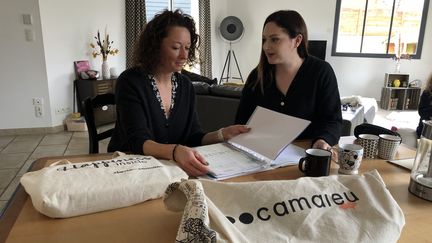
(266, 146)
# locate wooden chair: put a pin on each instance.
(99, 112)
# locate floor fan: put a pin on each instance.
(231, 30)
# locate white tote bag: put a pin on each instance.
(71, 189)
(339, 208)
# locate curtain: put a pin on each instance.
(205, 32)
(135, 20)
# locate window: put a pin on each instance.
(379, 28)
(155, 6)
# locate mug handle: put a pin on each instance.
(300, 165)
(334, 151)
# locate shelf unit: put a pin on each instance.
(393, 98)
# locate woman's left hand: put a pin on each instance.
(234, 130)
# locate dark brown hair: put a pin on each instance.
(429, 84)
(293, 24)
(147, 50)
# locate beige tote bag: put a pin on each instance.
(70, 189)
(338, 208)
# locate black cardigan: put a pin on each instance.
(140, 117)
(313, 95)
(424, 110)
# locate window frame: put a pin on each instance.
(376, 55)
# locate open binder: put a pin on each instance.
(265, 147)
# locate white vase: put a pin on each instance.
(397, 67)
(105, 70)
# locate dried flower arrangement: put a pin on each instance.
(104, 47)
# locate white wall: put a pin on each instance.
(44, 67)
(22, 67)
(68, 27)
(219, 10)
(356, 76)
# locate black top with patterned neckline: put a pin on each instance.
(158, 96)
(140, 116)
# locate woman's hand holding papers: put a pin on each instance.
(224, 134)
(190, 161)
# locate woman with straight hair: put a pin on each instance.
(290, 81)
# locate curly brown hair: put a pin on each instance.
(147, 50)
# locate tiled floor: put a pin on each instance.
(17, 153)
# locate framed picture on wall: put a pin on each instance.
(81, 66)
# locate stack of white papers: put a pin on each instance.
(264, 147)
(227, 162)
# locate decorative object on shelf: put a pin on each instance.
(399, 55)
(104, 48)
(105, 70)
(393, 103)
(89, 74)
(113, 72)
(81, 66)
(396, 83)
(415, 83)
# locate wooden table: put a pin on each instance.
(151, 222)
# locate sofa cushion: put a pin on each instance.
(198, 78)
(233, 91)
(201, 88)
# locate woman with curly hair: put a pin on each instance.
(425, 106)
(156, 104)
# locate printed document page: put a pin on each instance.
(225, 161)
(270, 132)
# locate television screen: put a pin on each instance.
(317, 48)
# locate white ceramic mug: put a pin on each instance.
(388, 145)
(349, 159)
(369, 142)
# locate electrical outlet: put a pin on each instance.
(38, 110)
(38, 101)
(62, 110)
(66, 110)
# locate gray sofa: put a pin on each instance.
(217, 106)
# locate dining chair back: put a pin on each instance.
(100, 115)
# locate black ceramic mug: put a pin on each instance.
(316, 162)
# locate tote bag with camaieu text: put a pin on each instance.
(339, 208)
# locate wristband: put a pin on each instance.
(220, 135)
(173, 152)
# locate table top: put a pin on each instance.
(151, 222)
